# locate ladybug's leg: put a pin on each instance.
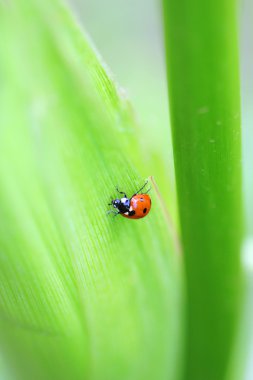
(121, 192)
(113, 212)
(110, 204)
(145, 184)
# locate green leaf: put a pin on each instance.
(201, 39)
(83, 295)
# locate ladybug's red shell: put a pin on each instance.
(140, 205)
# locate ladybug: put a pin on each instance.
(135, 207)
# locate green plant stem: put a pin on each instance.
(202, 58)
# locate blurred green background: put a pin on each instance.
(129, 37)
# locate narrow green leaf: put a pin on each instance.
(201, 39)
(83, 295)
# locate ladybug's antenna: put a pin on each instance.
(145, 184)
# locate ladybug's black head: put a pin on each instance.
(122, 204)
(116, 203)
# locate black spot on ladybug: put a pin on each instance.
(131, 213)
(141, 199)
(145, 210)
